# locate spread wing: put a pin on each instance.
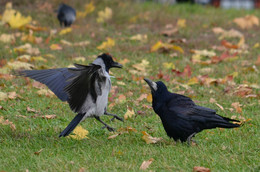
(88, 80)
(55, 79)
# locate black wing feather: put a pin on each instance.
(55, 79)
(83, 84)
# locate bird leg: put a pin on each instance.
(114, 116)
(190, 138)
(105, 125)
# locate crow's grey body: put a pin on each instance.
(90, 106)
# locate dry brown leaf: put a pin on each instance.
(38, 85)
(38, 152)
(7, 38)
(200, 169)
(237, 106)
(3, 96)
(221, 107)
(121, 98)
(243, 91)
(7, 122)
(211, 100)
(45, 92)
(142, 96)
(114, 136)
(27, 48)
(169, 31)
(247, 22)
(12, 95)
(146, 164)
(49, 116)
(149, 139)
(6, 76)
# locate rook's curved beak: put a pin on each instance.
(117, 65)
(152, 85)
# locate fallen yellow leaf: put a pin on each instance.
(129, 114)
(169, 65)
(181, 23)
(107, 44)
(65, 31)
(15, 65)
(77, 59)
(149, 98)
(17, 20)
(149, 139)
(89, 8)
(55, 47)
(165, 47)
(139, 37)
(27, 48)
(79, 133)
(105, 15)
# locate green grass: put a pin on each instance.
(219, 150)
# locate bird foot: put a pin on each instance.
(118, 118)
(114, 117)
(108, 128)
(189, 139)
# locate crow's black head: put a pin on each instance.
(109, 62)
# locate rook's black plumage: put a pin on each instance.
(180, 116)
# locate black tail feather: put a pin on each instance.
(72, 125)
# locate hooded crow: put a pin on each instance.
(181, 117)
(66, 15)
(85, 88)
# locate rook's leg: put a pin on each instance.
(190, 138)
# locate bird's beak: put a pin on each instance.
(151, 84)
(117, 65)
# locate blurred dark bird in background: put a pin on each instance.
(181, 117)
(66, 15)
(85, 88)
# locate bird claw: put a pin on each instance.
(118, 118)
(108, 128)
